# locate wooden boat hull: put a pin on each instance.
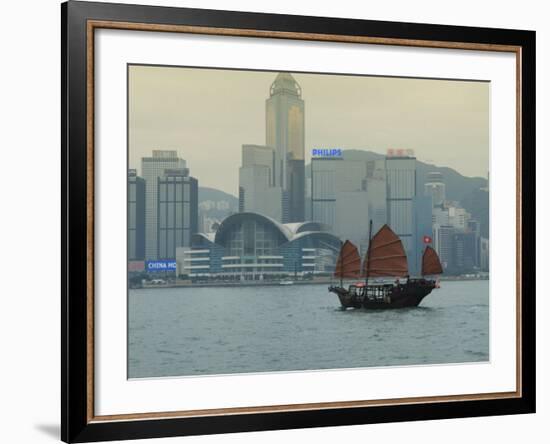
(386, 296)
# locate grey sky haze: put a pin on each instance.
(208, 114)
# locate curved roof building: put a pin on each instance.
(252, 246)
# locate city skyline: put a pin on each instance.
(198, 112)
(337, 196)
(383, 191)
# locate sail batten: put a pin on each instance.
(430, 262)
(349, 262)
(386, 255)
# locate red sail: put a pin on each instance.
(349, 262)
(386, 255)
(430, 262)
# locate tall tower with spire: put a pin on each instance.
(285, 132)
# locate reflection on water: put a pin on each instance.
(201, 331)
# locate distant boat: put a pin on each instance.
(286, 282)
(385, 257)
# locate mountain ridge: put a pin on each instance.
(215, 194)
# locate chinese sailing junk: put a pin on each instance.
(385, 257)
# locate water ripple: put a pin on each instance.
(234, 330)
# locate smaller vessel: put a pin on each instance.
(286, 282)
(385, 258)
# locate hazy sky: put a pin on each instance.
(208, 114)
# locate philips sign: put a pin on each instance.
(333, 153)
(154, 266)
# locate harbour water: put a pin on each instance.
(206, 331)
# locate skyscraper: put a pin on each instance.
(435, 188)
(151, 169)
(341, 200)
(376, 191)
(443, 241)
(474, 227)
(136, 216)
(254, 155)
(423, 230)
(285, 132)
(484, 254)
(401, 191)
(177, 197)
(465, 251)
(352, 217)
(329, 178)
(324, 173)
(257, 193)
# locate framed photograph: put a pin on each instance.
(275, 221)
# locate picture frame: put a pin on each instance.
(80, 21)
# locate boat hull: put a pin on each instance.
(377, 297)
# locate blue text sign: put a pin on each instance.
(327, 152)
(165, 265)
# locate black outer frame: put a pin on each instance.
(74, 423)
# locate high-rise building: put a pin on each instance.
(443, 238)
(177, 211)
(372, 165)
(435, 188)
(484, 254)
(401, 190)
(440, 215)
(423, 231)
(457, 239)
(329, 177)
(465, 251)
(473, 226)
(452, 214)
(308, 215)
(136, 216)
(376, 192)
(352, 217)
(285, 132)
(259, 155)
(458, 217)
(257, 192)
(151, 169)
(324, 175)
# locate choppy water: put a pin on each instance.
(200, 331)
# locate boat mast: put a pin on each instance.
(342, 271)
(368, 256)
